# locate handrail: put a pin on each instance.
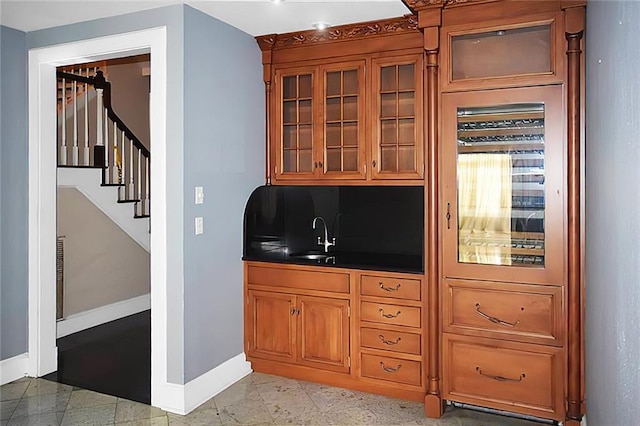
(99, 82)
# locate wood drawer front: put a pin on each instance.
(390, 314)
(504, 375)
(294, 278)
(391, 369)
(397, 288)
(388, 340)
(530, 313)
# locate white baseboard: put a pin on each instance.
(103, 314)
(208, 385)
(584, 421)
(182, 399)
(13, 368)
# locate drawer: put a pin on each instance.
(529, 313)
(398, 288)
(504, 375)
(388, 340)
(391, 369)
(390, 314)
(294, 278)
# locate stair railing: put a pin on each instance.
(111, 146)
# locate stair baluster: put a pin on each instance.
(123, 188)
(85, 151)
(147, 175)
(115, 178)
(62, 158)
(74, 149)
(106, 145)
(132, 188)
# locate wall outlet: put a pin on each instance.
(199, 195)
(199, 225)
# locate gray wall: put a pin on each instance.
(13, 194)
(224, 153)
(612, 212)
(172, 18)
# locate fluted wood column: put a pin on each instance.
(266, 44)
(574, 27)
(433, 400)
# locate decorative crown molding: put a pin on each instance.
(266, 42)
(414, 5)
(407, 23)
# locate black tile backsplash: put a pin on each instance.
(376, 227)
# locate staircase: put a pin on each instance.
(91, 135)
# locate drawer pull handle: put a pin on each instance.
(390, 369)
(388, 315)
(388, 342)
(500, 378)
(494, 319)
(396, 288)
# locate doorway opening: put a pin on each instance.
(102, 241)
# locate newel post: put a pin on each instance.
(98, 149)
(574, 19)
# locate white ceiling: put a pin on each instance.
(254, 17)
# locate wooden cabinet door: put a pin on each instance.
(396, 115)
(272, 326)
(295, 143)
(324, 333)
(343, 123)
(502, 211)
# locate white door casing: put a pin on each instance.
(42, 352)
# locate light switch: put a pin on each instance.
(199, 195)
(199, 225)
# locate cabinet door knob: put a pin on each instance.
(373, 163)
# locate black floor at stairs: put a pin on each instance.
(113, 358)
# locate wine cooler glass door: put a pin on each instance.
(503, 204)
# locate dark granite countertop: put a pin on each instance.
(367, 261)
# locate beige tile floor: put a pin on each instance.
(258, 399)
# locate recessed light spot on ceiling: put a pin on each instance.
(276, 1)
(321, 25)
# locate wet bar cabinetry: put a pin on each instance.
(503, 205)
(348, 328)
(478, 103)
(345, 104)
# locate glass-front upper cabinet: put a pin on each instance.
(397, 140)
(294, 137)
(320, 122)
(503, 185)
(343, 121)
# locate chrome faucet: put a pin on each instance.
(326, 243)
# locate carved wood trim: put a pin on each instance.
(266, 42)
(415, 5)
(362, 30)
